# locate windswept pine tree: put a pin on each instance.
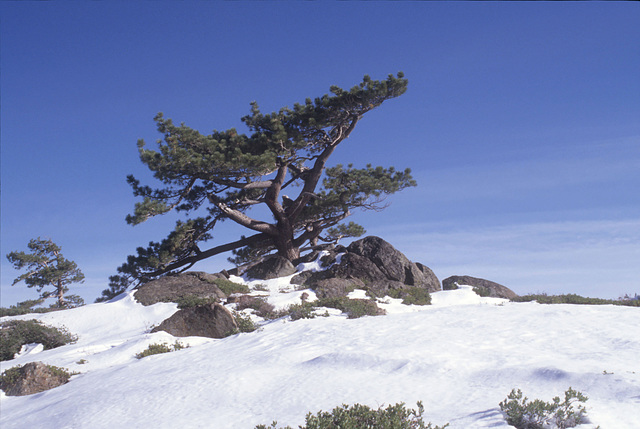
(226, 174)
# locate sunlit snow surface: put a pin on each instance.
(461, 356)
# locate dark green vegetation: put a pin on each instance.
(244, 322)
(537, 414)
(481, 291)
(362, 417)
(159, 348)
(229, 287)
(47, 267)
(222, 176)
(191, 301)
(354, 308)
(26, 307)
(411, 295)
(16, 333)
(576, 299)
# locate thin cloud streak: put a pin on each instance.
(592, 258)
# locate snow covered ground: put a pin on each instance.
(461, 356)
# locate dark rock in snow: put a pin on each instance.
(372, 264)
(335, 287)
(32, 378)
(429, 275)
(493, 289)
(211, 320)
(171, 288)
(393, 263)
(271, 268)
(301, 278)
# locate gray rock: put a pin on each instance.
(354, 266)
(371, 264)
(211, 320)
(393, 263)
(335, 287)
(493, 289)
(301, 278)
(32, 378)
(431, 278)
(171, 288)
(271, 268)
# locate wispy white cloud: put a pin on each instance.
(593, 258)
(606, 163)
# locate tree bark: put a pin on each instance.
(60, 292)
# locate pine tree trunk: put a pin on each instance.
(284, 243)
(60, 292)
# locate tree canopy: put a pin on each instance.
(47, 267)
(222, 176)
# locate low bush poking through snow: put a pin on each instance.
(244, 322)
(229, 287)
(304, 310)
(543, 298)
(159, 348)
(354, 308)
(362, 417)
(481, 291)
(191, 301)
(16, 333)
(411, 295)
(258, 304)
(538, 414)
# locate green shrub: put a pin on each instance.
(159, 348)
(362, 417)
(354, 308)
(538, 414)
(411, 295)
(574, 299)
(452, 286)
(16, 333)
(190, 301)
(229, 287)
(244, 322)
(481, 291)
(304, 310)
(260, 305)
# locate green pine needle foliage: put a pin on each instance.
(537, 414)
(363, 417)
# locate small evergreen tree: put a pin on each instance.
(47, 267)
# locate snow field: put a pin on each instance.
(461, 356)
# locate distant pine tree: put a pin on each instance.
(47, 267)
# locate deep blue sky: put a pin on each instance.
(520, 124)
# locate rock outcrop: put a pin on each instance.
(372, 264)
(271, 268)
(211, 320)
(487, 287)
(171, 288)
(32, 378)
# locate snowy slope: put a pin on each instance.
(461, 356)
